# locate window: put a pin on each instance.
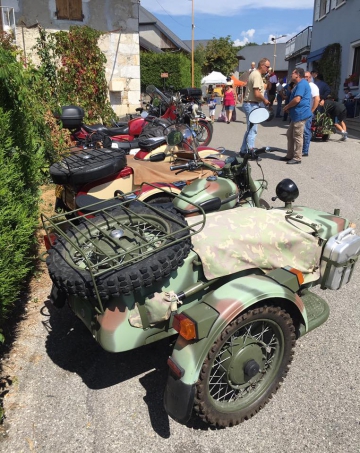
(356, 64)
(322, 7)
(69, 9)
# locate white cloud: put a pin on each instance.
(214, 7)
(247, 34)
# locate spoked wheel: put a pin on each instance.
(245, 366)
(204, 132)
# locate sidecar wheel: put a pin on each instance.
(69, 270)
(245, 366)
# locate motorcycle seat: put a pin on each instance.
(87, 166)
(111, 132)
(151, 143)
(84, 203)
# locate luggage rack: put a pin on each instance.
(98, 246)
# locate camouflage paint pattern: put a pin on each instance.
(332, 224)
(261, 239)
(202, 190)
(230, 300)
(113, 330)
(115, 334)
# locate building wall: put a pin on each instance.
(340, 25)
(120, 44)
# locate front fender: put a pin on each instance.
(229, 301)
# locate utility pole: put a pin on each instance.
(274, 41)
(192, 47)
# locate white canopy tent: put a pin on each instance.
(213, 78)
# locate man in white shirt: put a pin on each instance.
(315, 99)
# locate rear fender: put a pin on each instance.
(229, 301)
(151, 191)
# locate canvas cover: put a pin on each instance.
(246, 238)
(160, 172)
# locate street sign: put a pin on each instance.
(164, 74)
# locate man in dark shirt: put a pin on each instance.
(324, 88)
(337, 112)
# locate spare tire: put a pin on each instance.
(68, 269)
(88, 165)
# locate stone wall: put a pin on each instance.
(120, 43)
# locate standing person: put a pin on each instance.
(314, 102)
(253, 68)
(299, 111)
(286, 95)
(337, 112)
(254, 95)
(324, 88)
(279, 97)
(273, 80)
(212, 106)
(229, 101)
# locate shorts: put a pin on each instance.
(212, 112)
(230, 107)
(340, 118)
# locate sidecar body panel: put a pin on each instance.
(114, 330)
(229, 301)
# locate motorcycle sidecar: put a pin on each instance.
(235, 287)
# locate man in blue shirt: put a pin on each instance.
(324, 88)
(299, 111)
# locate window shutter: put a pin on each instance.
(75, 10)
(69, 9)
(327, 7)
(62, 10)
(317, 10)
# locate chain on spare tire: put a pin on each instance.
(67, 268)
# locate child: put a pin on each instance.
(212, 106)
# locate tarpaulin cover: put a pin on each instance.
(246, 238)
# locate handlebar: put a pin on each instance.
(186, 166)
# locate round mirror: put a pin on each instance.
(144, 114)
(151, 89)
(259, 115)
(174, 138)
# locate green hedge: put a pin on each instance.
(25, 143)
(177, 65)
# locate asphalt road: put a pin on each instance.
(71, 396)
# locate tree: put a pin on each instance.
(200, 58)
(220, 55)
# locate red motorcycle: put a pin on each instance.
(90, 175)
(126, 135)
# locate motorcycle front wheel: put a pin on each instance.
(204, 132)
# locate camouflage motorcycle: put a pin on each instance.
(235, 286)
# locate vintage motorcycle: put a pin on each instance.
(126, 136)
(235, 286)
(96, 175)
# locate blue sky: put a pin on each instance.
(244, 20)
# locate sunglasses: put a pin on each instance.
(267, 67)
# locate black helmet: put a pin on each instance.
(287, 191)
